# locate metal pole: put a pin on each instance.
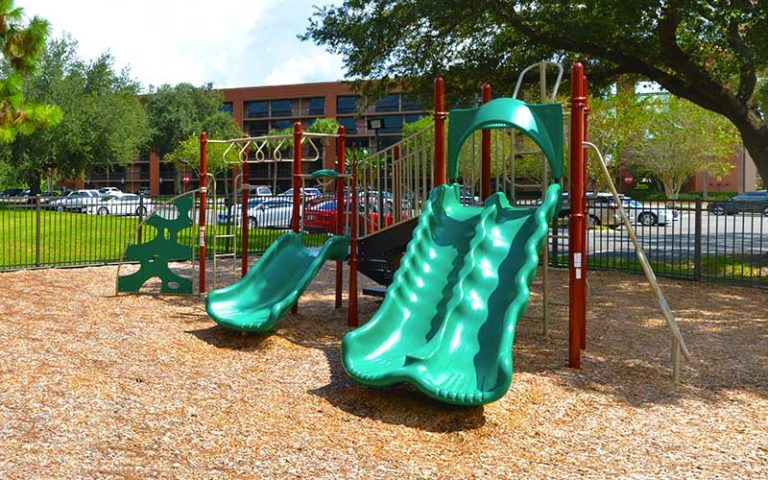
(37, 230)
(587, 110)
(340, 158)
(297, 134)
(352, 316)
(297, 184)
(697, 241)
(485, 153)
(245, 185)
(576, 285)
(544, 178)
(440, 116)
(203, 199)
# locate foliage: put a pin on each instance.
(179, 112)
(710, 53)
(103, 121)
(22, 44)
(683, 139)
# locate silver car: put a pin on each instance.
(77, 201)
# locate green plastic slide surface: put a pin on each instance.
(273, 285)
(448, 320)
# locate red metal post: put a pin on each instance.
(340, 158)
(576, 284)
(203, 199)
(297, 134)
(352, 316)
(587, 110)
(485, 169)
(440, 116)
(297, 183)
(245, 172)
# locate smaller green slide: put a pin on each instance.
(274, 284)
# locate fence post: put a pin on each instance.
(37, 230)
(140, 238)
(697, 241)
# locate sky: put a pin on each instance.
(231, 43)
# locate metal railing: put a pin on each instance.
(681, 240)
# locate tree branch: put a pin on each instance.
(747, 74)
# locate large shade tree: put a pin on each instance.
(103, 124)
(709, 52)
(21, 43)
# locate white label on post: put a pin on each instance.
(202, 236)
(578, 273)
(577, 262)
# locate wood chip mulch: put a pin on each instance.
(98, 386)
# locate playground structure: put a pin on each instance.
(482, 292)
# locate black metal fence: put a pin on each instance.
(681, 240)
(39, 232)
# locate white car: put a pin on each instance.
(77, 201)
(110, 192)
(274, 213)
(309, 192)
(648, 215)
(125, 204)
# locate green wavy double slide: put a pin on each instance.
(274, 284)
(447, 323)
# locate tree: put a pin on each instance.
(21, 46)
(179, 112)
(709, 52)
(682, 140)
(103, 121)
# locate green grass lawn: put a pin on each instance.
(76, 238)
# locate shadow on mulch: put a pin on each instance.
(222, 338)
(399, 405)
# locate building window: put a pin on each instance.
(388, 141)
(256, 129)
(257, 109)
(350, 124)
(226, 107)
(347, 103)
(316, 106)
(411, 104)
(413, 117)
(392, 124)
(390, 103)
(281, 124)
(282, 108)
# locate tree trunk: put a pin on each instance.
(756, 142)
(34, 183)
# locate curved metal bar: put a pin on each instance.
(555, 88)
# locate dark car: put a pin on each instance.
(749, 202)
(12, 192)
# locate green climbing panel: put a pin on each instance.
(155, 254)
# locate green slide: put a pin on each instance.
(448, 320)
(274, 284)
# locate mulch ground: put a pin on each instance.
(98, 386)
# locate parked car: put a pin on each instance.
(646, 214)
(144, 191)
(77, 201)
(309, 192)
(749, 202)
(110, 191)
(12, 192)
(322, 216)
(600, 210)
(274, 213)
(123, 204)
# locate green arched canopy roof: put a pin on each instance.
(543, 123)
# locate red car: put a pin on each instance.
(321, 217)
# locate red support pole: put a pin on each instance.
(577, 282)
(340, 158)
(440, 116)
(587, 110)
(296, 217)
(297, 134)
(203, 200)
(245, 172)
(352, 316)
(485, 170)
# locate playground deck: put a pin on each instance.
(93, 385)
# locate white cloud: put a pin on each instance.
(232, 43)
